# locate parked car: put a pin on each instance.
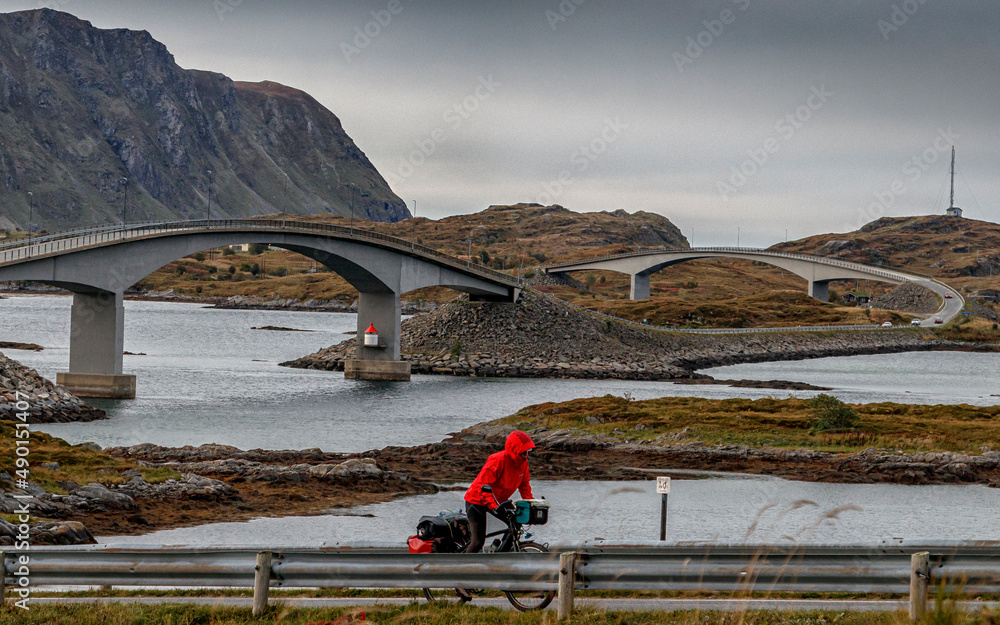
(938, 320)
(887, 324)
(915, 322)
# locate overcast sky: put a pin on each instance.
(730, 117)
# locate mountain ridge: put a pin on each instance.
(82, 109)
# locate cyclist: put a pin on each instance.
(505, 472)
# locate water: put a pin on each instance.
(729, 510)
(208, 378)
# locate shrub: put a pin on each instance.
(485, 257)
(278, 272)
(232, 269)
(591, 279)
(831, 414)
(255, 269)
(199, 256)
(228, 251)
(257, 248)
(197, 289)
(456, 349)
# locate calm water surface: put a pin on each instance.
(752, 509)
(207, 377)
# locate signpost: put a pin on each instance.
(663, 488)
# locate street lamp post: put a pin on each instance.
(31, 211)
(471, 231)
(353, 189)
(737, 236)
(208, 213)
(125, 202)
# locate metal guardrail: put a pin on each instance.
(892, 273)
(886, 566)
(76, 240)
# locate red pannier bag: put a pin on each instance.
(418, 545)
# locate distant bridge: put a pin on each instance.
(99, 264)
(818, 271)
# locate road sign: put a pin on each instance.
(663, 485)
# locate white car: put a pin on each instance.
(915, 322)
(887, 324)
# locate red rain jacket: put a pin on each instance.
(505, 471)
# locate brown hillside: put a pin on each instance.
(962, 252)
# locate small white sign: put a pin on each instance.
(663, 485)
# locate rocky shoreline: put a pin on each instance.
(217, 482)
(543, 337)
(47, 403)
(572, 454)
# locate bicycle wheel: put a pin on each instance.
(447, 595)
(525, 600)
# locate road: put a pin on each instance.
(952, 305)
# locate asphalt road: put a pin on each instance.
(952, 305)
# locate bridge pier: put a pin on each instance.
(378, 363)
(96, 342)
(640, 286)
(820, 289)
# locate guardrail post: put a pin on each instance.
(3, 577)
(261, 582)
(567, 577)
(920, 572)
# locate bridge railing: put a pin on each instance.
(887, 566)
(891, 273)
(79, 239)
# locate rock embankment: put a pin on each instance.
(543, 337)
(47, 403)
(909, 297)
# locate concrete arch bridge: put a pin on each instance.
(99, 264)
(818, 271)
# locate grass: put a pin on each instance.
(768, 422)
(77, 463)
(970, 329)
(436, 614)
(413, 614)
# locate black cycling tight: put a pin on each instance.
(477, 526)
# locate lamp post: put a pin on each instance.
(208, 213)
(471, 231)
(31, 210)
(125, 201)
(737, 237)
(353, 189)
(414, 224)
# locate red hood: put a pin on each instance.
(517, 443)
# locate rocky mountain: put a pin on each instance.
(98, 122)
